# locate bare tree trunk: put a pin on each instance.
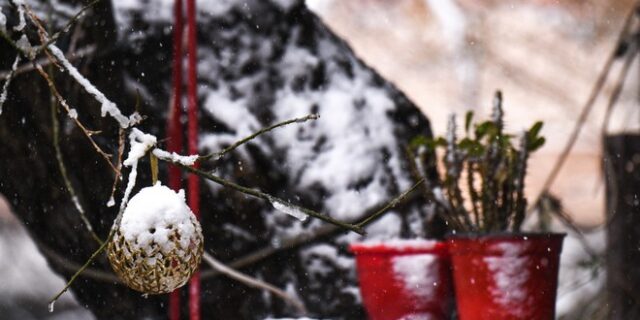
(622, 170)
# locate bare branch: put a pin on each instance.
(68, 26)
(118, 176)
(7, 82)
(242, 141)
(72, 266)
(63, 171)
(389, 205)
(253, 282)
(268, 197)
(45, 61)
(618, 86)
(93, 256)
(72, 114)
(289, 243)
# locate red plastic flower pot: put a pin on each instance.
(404, 279)
(506, 276)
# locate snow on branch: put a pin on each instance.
(174, 157)
(5, 87)
(107, 106)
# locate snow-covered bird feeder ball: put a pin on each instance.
(159, 243)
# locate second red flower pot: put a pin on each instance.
(506, 276)
(404, 279)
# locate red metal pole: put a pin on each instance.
(174, 128)
(192, 113)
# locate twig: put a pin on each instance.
(253, 282)
(389, 205)
(289, 243)
(72, 266)
(82, 268)
(88, 133)
(12, 43)
(242, 141)
(63, 171)
(94, 255)
(114, 227)
(66, 28)
(285, 244)
(619, 85)
(267, 197)
(7, 82)
(26, 67)
(118, 175)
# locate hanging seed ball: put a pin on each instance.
(159, 243)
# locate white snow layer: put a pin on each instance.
(174, 157)
(3, 21)
(107, 106)
(140, 143)
(289, 209)
(24, 45)
(419, 273)
(21, 15)
(151, 216)
(401, 244)
(353, 138)
(510, 272)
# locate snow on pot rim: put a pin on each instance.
(399, 246)
(505, 243)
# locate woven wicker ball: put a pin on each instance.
(159, 243)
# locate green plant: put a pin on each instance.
(481, 188)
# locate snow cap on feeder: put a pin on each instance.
(159, 243)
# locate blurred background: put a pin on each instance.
(452, 55)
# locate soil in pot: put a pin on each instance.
(404, 279)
